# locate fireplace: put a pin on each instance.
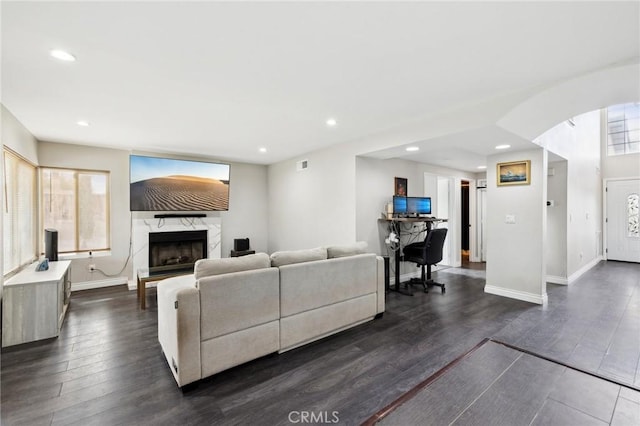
(176, 251)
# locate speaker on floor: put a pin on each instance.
(51, 244)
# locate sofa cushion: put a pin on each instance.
(348, 250)
(281, 258)
(207, 267)
(307, 286)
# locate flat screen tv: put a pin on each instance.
(166, 184)
(419, 205)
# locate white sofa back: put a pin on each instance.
(322, 297)
(311, 285)
(233, 310)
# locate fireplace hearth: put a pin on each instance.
(176, 251)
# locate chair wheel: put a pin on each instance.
(443, 290)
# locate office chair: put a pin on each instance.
(427, 253)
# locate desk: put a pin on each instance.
(145, 277)
(395, 224)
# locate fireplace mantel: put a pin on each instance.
(143, 226)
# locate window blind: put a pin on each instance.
(76, 204)
(19, 219)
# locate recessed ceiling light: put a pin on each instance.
(83, 123)
(262, 150)
(505, 146)
(482, 167)
(412, 148)
(62, 55)
(331, 122)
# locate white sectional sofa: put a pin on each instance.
(233, 310)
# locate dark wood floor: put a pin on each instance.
(107, 368)
(488, 387)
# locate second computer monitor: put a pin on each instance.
(419, 205)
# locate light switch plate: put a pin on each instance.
(510, 218)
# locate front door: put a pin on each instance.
(623, 234)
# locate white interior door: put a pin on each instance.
(482, 230)
(623, 234)
(442, 212)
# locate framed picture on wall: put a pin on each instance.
(400, 185)
(514, 173)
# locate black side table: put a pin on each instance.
(242, 253)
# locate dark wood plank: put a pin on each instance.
(588, 394)
(555, 413)
(447, 398)
(626, 413)
(517, 396)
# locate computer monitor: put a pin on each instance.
(419, 205)
(399, 205)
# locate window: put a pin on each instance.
(76, 204)
(623, 129)
(19, 221)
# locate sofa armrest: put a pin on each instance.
(179, 327)
(380, 284)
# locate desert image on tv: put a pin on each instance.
(178, 192)
(164, 184)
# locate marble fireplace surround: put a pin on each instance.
(143, 226)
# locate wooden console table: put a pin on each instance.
(144, 277)
(34, 304)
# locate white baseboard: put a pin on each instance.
(554, 279)
(515, 294)
(573, 277)
(88, 285)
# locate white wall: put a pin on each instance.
(374, 189)
(580, 145)
(247, 215)
(117, 163)
(515, 252)
(248, 208)
(16, 137)
(556, 251)
(315, 206)
(584, 196)
(318, 208)
(620, 166)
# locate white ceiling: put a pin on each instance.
(463, 151)
(223, 79)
